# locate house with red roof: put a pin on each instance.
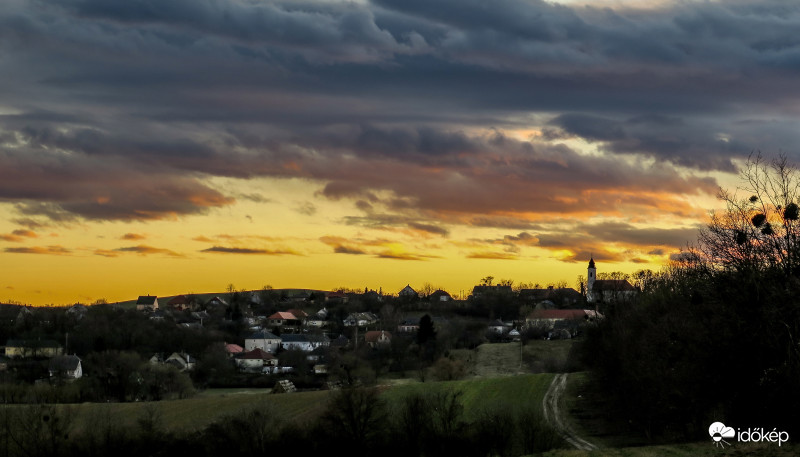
(298, 313)
(376, 338)
(179, 303)
(282, 318)
(232, 349)
(547, 318)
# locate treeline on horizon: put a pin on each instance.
(426, 290)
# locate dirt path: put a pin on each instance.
(554, 414)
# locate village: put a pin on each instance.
(285, 339)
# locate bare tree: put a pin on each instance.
(759, 230)
(357, 416)
(426, 290)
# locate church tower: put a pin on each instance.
(591, 276)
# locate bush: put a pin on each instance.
(446, 369)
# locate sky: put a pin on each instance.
(165, 147)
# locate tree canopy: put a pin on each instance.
(717, 333)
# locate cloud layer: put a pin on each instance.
(524, 116)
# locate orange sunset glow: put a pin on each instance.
(370, 144)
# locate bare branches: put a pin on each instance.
(759, 231)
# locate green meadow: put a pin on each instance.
(300, 407)
(482, 394)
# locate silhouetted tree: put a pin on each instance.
(356, 418)
(426, 332)
(715, 334)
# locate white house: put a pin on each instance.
(147, 303)
(255, 361)
(263, 340)
(409, 325)
(66, 367)
(499, 327)
(318, 319)
(305, 343)
(181, 360)
(547, 318)
(360, 319)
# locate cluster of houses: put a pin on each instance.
(60, 365)
(259, 352)
(558, 313)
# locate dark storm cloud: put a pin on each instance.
(103, 194)
(50, 250)
(341, 249)
(434, 229)
(315, 27)
(30, 223)
(47, 176)
(248, 251)
(642, 236)
(122, 110)
(492, 256)
(610, 241)
(396, 222)
(619, 232)
(343, 246)
(143, 250)
(403, 256)
(535, 20)
(698, 145)
(514, 176)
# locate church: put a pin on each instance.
(607, 290)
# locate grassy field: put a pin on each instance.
(488, 385)
(480, 394)
(588, 418)
(198, 412)
(493, 382)
(504, 359)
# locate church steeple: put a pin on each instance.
(591, 276)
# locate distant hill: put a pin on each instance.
(203, 297)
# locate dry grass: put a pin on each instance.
(198, 412)
(506, 359)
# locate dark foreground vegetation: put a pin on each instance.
(716, 337)
(355, 422)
